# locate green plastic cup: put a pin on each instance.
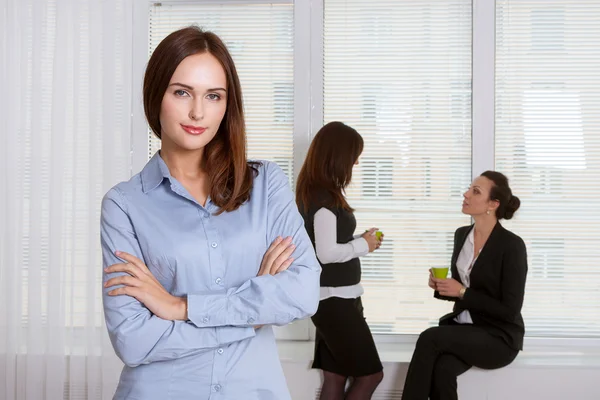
(378, 234)
(440, 272)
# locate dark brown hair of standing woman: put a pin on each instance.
(328, 167)
(229, 173)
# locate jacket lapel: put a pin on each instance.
(488, 248)
(460, 242)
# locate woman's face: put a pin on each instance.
(194, 103)
(477, 198)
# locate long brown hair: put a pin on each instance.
(328, 167)
(229, 174)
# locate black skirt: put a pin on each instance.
(344, 344)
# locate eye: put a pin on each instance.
(213, 96)
(181, 93)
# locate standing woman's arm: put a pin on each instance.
(138, 336)
(268, 299)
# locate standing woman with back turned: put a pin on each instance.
(489, 268)
(203, 251)
(344, 346)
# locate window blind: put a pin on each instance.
(400, 73)
(547, 143)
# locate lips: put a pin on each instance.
(193, 130)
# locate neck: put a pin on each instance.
(484, 225)
(182, 164)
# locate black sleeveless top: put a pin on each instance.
(334, 274)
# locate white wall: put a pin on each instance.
(557, 369)
(519, 382)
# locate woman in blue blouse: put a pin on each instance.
(203, 251)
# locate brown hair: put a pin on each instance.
(230, 175)
(502, 193)
(327, 169)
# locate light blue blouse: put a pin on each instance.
(213, 260)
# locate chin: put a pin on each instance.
(191, 143)
(187, 146)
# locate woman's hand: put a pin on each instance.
(432, 280)
(278, 257)
(142, 285)
(448, 287)
(371, 239)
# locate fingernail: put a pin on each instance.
(118, 253)
(292, 247)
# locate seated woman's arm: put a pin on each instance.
(328, 249)
(514, 275)
(138, 336)
(438, 296)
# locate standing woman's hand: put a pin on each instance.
(138, 282)
(278, 257)
(372, 239)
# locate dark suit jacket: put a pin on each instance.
(495, 296)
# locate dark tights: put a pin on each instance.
(362, 387)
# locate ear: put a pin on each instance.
(493, 205)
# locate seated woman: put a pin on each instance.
(489, 268)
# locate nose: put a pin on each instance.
(197, 110)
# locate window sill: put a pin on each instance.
(538, 353)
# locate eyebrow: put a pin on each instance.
(191, 88)
(476, 187)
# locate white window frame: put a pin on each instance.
(483, 86)
(308, 112)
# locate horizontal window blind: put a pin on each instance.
(548, 144)
(260, 38)
(400, 73)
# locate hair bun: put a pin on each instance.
(511, 207)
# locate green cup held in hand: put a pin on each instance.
(378, 234)
(440, 272)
